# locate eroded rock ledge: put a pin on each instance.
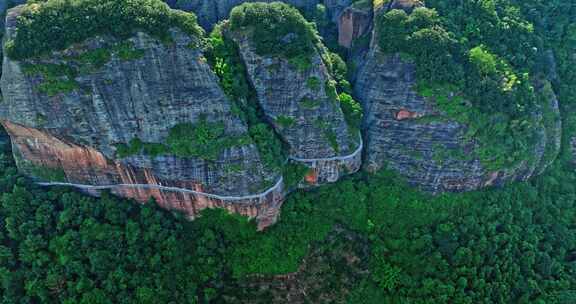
(100, 114)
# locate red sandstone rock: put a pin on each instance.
(86, 166)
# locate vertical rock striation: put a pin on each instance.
(73, 137)
(410, 135)
(302, 106)
(354, 22)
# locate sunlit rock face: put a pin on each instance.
(409, 134)
(73, 137)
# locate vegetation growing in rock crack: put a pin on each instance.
(223, 57)
(205, 140)
(493, 65)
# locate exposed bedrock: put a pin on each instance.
(307, 118)
(353, 23)
(408, 133)
(57, 162)
(210, 12)
(74, 136)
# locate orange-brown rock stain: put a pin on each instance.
(405, 114)
(86, 165)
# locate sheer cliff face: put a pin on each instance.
(410, 135)
(71, 126)
(353, 23)
(73, 136)
(210, 12)
(310, 114)
(307, 117)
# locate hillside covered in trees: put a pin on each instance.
(367, 239)
(460, 188)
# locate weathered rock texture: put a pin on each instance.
(89, 170)
(76, 133)
(210, 12)
(353, 23)
(284, 93)
(411, 136)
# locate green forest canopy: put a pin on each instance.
(492, 66)
(277, 29)
(52, 25)
(511, 245)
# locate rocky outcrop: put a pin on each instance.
(409, 134)
(302, 107)
(71, 120)
(353, 23)
(57, 162)
(395, 136)
(210, 12)
(73, 136)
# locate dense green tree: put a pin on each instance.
(50, 25)
(514, 244)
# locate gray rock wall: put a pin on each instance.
(408, 134)
(210, 12)
(283, 92)
(142, 98)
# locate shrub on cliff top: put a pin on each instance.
(51, 25)
(277, 29)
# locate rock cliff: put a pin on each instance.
(108, 124)
(301, 102)
(411, 135)
(353, 23)
(210, 12)
(146, 117)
